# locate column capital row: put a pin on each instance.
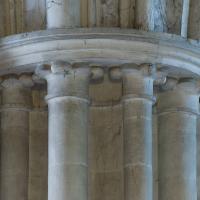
(115, 72)
(17, 80)
(97, 71)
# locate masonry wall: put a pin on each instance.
(105, 144)
(17, 16)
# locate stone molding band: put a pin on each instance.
(16, 107)
(176, 110)
(111, 46)
(133, 97)
(65, 97)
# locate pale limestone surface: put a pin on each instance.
(1, 20)
(34, 15)
(127, 13)
(106, 137)
(106, 153)
(105, 148)
(173, 15)
(114, 138)
(172, 53)
(106, 97)
(155, 155)
(63, 13)
(16, 103)
(198, 159)
(194, 19)
(107, 13)
(38, 147)
(137, 123)
(68, 127)
(177, 141)
(144, 14)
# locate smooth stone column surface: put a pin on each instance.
(144, 15)
(63, 13)
(68, 128)
(137, 100)
(16, 103)
(178, 106)
(198, 159)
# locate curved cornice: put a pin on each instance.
(109, 46)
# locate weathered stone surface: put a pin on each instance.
(16, 102)
(38, 148)
(198, 159)
(63, 13)
(137, 129)
(177, 173)
(177, 127)
(106, 185)
(107, 13)
(106, 92)
(173, 16)
(127, 13)
(105, 153)
(159, 15)
(34, 15)
(1, 20)
(155, 156)
(144, 15)
(68, 127)
(194, 20)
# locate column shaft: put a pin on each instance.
(16, 100)
(63, 13)
(144, 15)
(138, 92)
(68, 128)
(177, 123)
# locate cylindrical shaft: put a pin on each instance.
(185, 18)
(177, 124)
(68, 128)
(138, 93)
(63, 13)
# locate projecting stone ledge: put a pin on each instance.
(22, 53)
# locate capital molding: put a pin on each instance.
(178, 95)
(60, 67)
(187, 84)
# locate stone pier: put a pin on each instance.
(137, 102)
(68, 105)
(178, 108)
(16, 104)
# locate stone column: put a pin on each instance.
(68, 128)
(63, 13)
(137, 100)
(144, 18)
(16, 104)
(178, 106)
